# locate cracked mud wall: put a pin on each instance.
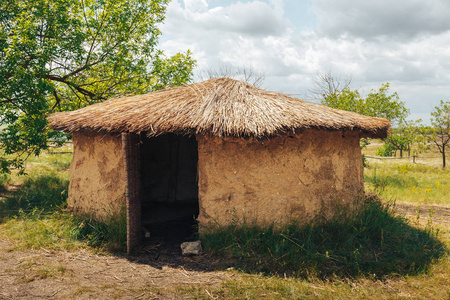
(97, 174)
(276, 180)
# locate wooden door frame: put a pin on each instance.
(130, 149)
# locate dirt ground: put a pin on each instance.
(81, 274)
(156, 273)
(435, 213)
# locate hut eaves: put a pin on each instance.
(221, 107)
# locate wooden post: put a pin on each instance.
(130, 149)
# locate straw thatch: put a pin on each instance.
(221, 107)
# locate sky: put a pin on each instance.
(403, 42)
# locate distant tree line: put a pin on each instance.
(406, 135)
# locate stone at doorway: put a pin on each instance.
(191, 248)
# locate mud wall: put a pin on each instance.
(97, 174)
(276, 180)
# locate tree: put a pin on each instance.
(403, 138)
(65, 54)
(326, 84)
(440, 121)
(377, 103)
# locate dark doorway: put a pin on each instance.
(169, 188)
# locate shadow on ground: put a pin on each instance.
(377, 242)
(162, 248)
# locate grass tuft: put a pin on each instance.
(63, 230)
(110, 233)
(373, 241)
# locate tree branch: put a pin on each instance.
(76, 87)
(57, 99)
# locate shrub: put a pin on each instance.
(386, 150)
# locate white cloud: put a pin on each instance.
(354, 38)
(232, 34)
(400, 18)
(254, 18)
(196, 5)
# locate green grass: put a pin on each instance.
(373, 241)
(38, 230)
(35, 216)
(109, 233)
(57, 160)
(421, 183)
(46, 192)
(417, 184)
(4, 181)
(63, 230)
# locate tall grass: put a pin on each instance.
(372, 241)
(110, 233)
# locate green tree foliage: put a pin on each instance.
(440, 121)
(386, 150)
(379, 103)
(65, 54)
(403, 138)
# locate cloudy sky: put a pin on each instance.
(403, 42)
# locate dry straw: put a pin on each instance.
(219, 106)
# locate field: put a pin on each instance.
(45, 252)
(421, 183)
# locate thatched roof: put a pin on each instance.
(221, 107)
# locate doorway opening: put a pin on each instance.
(169, 188)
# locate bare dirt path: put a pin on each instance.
(437, 213)
(81, 274)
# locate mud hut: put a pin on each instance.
(219, 149)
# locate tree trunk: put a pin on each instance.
(443, 157)
(401, 153)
